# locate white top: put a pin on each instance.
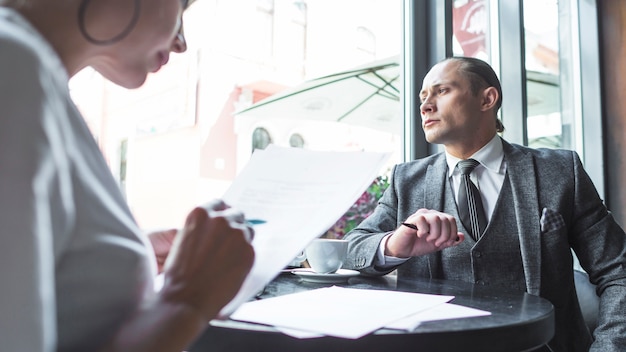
(72, 260)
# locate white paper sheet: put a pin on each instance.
(300, 194)
(337, 311)
(439, 312)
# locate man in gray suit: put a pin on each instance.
(534, 207)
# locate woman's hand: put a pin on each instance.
(210, 258)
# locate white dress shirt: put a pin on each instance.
(488, 177)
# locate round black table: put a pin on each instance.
(519, 322)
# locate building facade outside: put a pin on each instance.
(178, 142)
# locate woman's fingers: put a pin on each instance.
(211, 259)
(215, 205)
(218, 208)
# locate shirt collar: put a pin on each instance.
(490, 156)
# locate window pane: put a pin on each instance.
(470, 24)
(546, 127)
(179, 141)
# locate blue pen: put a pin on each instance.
(252, 222)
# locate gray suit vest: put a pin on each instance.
(496, 258)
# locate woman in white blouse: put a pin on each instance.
(75, 271)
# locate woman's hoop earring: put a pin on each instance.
(83, 29)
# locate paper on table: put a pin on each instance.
(337, 311)
(439, 312)
(300, 194)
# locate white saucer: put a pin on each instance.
(338, 276)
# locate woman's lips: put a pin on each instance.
(165, 58)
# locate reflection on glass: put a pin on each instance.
(470, 24)
(548, 118)
(239, 53)
(260, 138)
(541, 25)
(296, 140)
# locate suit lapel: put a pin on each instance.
(522, 176)
(434, 198)
(434, 189)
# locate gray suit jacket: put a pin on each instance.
(539, 178)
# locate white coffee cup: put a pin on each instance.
(326, 255)
(297, 261)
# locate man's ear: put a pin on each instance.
(490, 98)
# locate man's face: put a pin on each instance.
(451, 114)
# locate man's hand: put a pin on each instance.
(433, 232)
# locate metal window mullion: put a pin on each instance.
(428, 40)
(513, 71)
(590, 92)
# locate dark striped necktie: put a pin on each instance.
(470, 204)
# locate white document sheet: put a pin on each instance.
(299, 194)
(439, 312)
(337, 311)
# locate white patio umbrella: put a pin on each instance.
(366, 96)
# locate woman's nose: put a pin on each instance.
(180, 44)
